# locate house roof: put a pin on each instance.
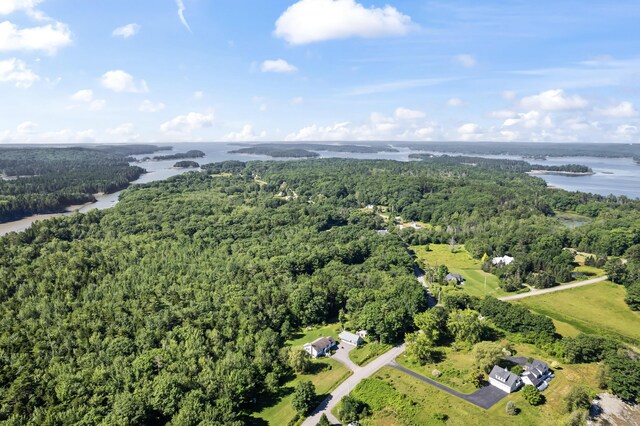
(322, 343)
(349, 337)
(537, 367)
(535, 381)
(504, 376)
(453, 277)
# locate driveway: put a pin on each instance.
(554, 289)
(485, 398)
(342, 355)
(347, 386)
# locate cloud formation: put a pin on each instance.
(554, 100)
(127, 31)
(120, 81)
(623, 110)
(181, 10)
(48, 38)
(277, 65)
(187, 123)
(149, 106)
(7, 7)
(245, 135)
(311, 21)
(17, 72)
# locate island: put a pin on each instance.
(308, 150)
(276, 152)
(194, 153)
(186, 165)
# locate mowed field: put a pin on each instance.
(595, 309)
(460, 262)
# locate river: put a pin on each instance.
(617, 176)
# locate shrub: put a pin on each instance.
(517, 370)
(352, 409)
(303, 397)
(324, 421)
(511, 409)
(441, 417)
(577, 398)
(532, 395)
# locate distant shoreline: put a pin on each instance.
(551, 172)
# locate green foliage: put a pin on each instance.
(511, 409)
(324, 421)
(532, 395)
(578, 398)
(633, 296)
(517, 370)
(585, 348)
(465, 326)
(299, 360)
(433, 324)
(518, 319)
(624, 375)
(303, 397)
(352, 409)
(486, 355)
(420, 349)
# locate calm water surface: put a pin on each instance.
(617, 176)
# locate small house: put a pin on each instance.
(504, 380)
(454, 277)
(320, 347)
(537, 373)
(350, 338)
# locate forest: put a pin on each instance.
(276, 152)
(357, 149)
(175, 305)
(194, 153)
(501, 164)
(47, 180)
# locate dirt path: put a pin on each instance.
(554, 289)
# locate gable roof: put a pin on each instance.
(537, 367)
(450, 277)
(349, 337)
(322, 343)
(504, 376)
(536, 381)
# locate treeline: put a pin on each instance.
(52, 179)
(357, 149)
(499, 164)
(194, 153)
(276, 152)
(186, 165)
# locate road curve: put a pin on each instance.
(554, 289)
(347, 386)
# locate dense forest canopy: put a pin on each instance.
(194, 153)
(276, 152)
(500, 164)
(175, 305)
(51, 179)
(359, 149)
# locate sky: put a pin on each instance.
(319, 70)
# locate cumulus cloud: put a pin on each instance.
(530, 120)
(626, 131)
(85, 95)
(149, 106)
(554, 100)
(127, 31)
(181, 10)
(503, 114)
(245, 135)
(7, 7)
(466, 60)
(123, 133)
(277, 65)
(97, 105)
(18, 73)
(48, 38)
(310, 21)
(27, 128)
(623, 110)
(470, 132)
(120, 81)
(187, 123)
(409, 114)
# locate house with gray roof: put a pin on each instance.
(504, 380)
(536, 373)
(350, 338)
(320, 347)
(454, 277)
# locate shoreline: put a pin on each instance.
(559, 173)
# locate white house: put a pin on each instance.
(537, 374)
(350, 338)
(320, 347)
(504, 380)
(502, 261)
(362, 333)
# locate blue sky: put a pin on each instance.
(325, 70)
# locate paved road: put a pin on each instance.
(554, 289)
(485, 398)
(347, 386)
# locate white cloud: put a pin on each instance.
(120, 81)
(16, 71)
(187, 122)
(149, 106)
(85, 95)
(503, 114)
(455, 103)
(626, 131)
(468, 128)
(309, 21)
(123, 133)
(530, 120)
(97, 105)
(48, 38)
(409, 114)
(181, 10)
(245, 135)
(127, 31)
(623, 110)
(277, 65)
(7, 7)
(466, 60)
(27, 128)
(554, 100)
(336, 132)
(298, 100)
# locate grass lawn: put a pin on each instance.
(399, 399)
(595, 309)
(461, 263)
(331, 374)
(364, 354)
(307, 336)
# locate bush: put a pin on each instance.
(324, 421)
(511, 409)
(441, 417)
(352, 409)
(532, 395)
(577, 398)
(303, 397)
(517, 370)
